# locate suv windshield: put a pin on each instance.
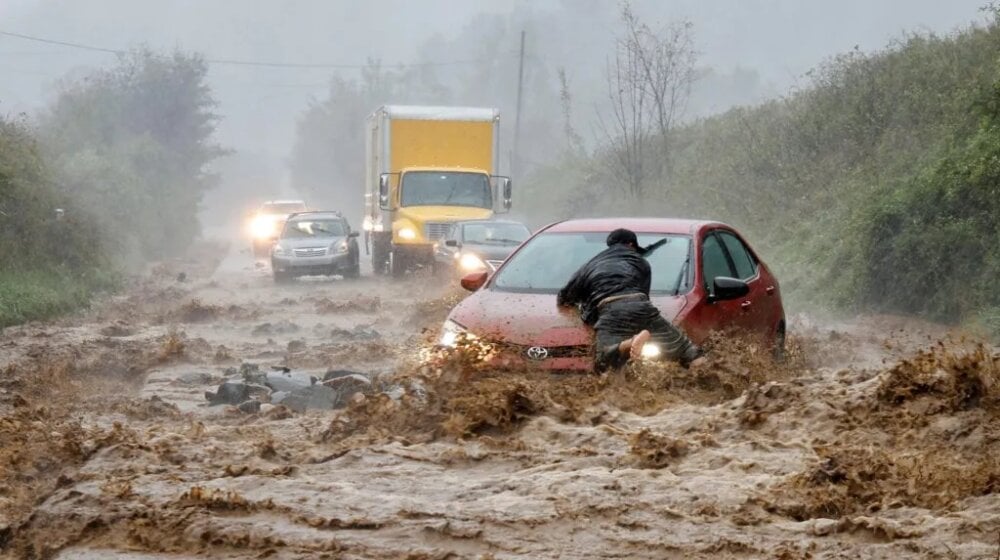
(546, 263)
(434, 188)
(494, 233)
(283, 208)
(321, 227)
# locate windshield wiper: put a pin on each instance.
(683, 274)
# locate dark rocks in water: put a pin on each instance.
(230, 392)
(315, 397)
(289, 381)
(282, 369)
(335, 373)
(296, 346)
(181, 277)
(251, 406)
(236, 392)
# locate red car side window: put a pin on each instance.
(713, 261)
(746, 268)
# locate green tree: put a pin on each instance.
(132, 144)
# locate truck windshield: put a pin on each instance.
(436, 188)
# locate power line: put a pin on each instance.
(238, 62)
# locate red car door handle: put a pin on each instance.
(769, 290)
(745, 305)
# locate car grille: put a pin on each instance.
(550, 352)
(436, 230)
(494, 264)
(310, 252)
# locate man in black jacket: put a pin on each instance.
(612, 291)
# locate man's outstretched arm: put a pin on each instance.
(572, 292)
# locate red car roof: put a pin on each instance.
(640, 225)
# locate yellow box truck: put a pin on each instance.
(426, 168)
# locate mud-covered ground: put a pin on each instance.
(877, 438)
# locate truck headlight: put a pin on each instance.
(651, 351)
(471, 262)
(450, 332)
(407, 233)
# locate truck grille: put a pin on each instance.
(435, 231)
(310, 252)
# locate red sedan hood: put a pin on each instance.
(532, 319)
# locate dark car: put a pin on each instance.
(706, 278)
(479, 245)
(315, 243)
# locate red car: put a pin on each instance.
(705, 278)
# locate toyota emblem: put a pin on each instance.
(537, 353)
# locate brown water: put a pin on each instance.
(873, 440)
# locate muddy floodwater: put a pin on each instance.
(876, 438)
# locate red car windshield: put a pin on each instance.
(547, 261)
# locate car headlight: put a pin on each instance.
(279, 251)
(407, 233)
(262, 227)
(340, 247)
(651, 351)
(471, 262)
(450, 332)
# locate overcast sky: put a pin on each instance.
(778, 39)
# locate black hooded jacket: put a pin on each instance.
(617, 270)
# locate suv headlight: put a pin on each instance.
(340, 247)
(450, 332)
(262, 227)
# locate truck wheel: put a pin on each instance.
(397, 264)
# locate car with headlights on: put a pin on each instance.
(478, 245)
(705, 278)
(266, 223)
(315, 243)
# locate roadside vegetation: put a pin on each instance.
(122, 153)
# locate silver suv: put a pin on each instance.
(314, 243)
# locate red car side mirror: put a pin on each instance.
(474, 281)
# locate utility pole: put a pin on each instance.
(515, 164)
